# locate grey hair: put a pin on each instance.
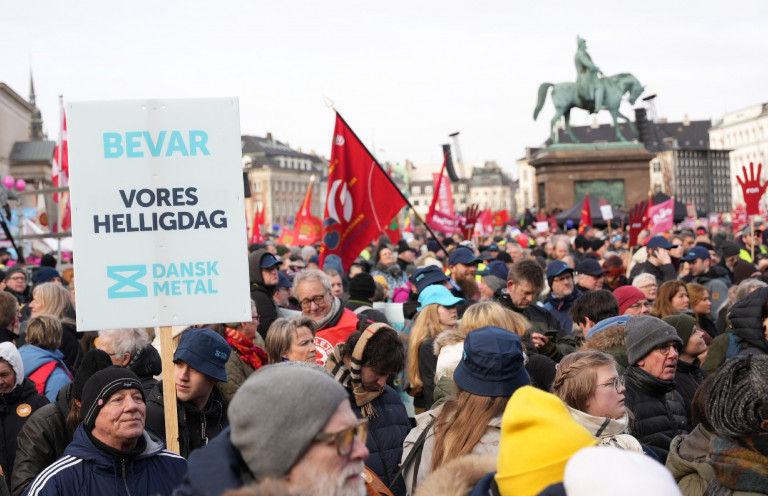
(312, 275)
(640, 279)
(738, 396)
(747, 286)
(129, 340)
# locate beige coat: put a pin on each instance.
(610, 432)
(458, 477)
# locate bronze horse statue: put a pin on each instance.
(565, 97)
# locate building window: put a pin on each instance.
(416, 190)
(415, 203)
(257, 187)
(428, 190)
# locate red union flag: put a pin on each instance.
(586, 216)
(362, 200)
(661, 216)
(307, 226)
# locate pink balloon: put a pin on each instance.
(9, 181)
(21, 185)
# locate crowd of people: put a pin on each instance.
(515, 364)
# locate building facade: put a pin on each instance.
(279, 176)
(744, 134)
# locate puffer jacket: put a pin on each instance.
(687, 380)
(85, 469)
(659, 410)
(215, 468)
(488, 445)
(34, 357)
(196, 427)
(261, 294)
(15, 408)
(386, 432)
(41, 441)
(688, 461)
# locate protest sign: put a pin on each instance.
(158, 216)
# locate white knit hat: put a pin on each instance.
(9, 353)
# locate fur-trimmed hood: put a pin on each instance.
(458, 477)
(607, 339)
(448, 336)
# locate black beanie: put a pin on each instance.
(101, 386)
(362, 287)
(93, 361)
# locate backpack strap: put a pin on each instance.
(41, 375)
(415, 452)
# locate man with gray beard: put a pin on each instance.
(289, 422)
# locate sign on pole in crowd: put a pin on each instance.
(157, 218)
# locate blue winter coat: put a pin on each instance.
(386, 432)
(33, 358)
(214, 469)
(86, 470)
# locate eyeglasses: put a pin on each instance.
(617, 383)
(665, 348)
(256, 318)
(648, 286)
(640, 304)
(17, 278)
(345, 439)
(317, 300)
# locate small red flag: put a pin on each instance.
(362, 200)
(586, 216)
(307, 226)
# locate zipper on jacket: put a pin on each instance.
(125, 480)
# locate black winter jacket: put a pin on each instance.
(41, 441)
(260, 293)
(196, 428)
(746, 319)
(70, 346)
(687, 380)
(386, 432)
(15, 408)
(146, 364)
(658, 409)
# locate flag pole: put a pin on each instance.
(391, 181)
(59, 210)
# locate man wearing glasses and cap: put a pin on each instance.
(263, 273)
(653, 348)
(315, 444)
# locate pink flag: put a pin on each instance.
(661, 216)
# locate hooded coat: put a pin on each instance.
(35, 357)
(146, 364)
(611, 340)
(85, 469)
(459, 477)
(261, 294)
(15, 407)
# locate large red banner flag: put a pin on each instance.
(362, 200)
(586, 216)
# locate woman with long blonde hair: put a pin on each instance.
(491, 370)
(53, 299)
(437, 313)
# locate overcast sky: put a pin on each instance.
(404, 74)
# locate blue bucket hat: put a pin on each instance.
(437, 294)
(427, 276)
(493, 363)
(205, 351)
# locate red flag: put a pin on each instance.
(287, 237)
(258, 220)
(362, 200)
(500, 218)
(586, 216)
(553, 224)
(307, 226)
(60, 169)
(436, 190)
(662, 216)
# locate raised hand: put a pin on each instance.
(751, 188)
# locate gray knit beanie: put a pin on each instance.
(494, 283)
(278, 411)
(643, 333)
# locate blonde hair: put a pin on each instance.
(695, 295)
(490, 313)
(54, 299)
(576, 378)
(426, 326)
(463, 420)
(44, 331)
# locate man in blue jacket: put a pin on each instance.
(111, 452)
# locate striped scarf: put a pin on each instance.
(351, 377)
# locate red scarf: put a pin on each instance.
(250, 353)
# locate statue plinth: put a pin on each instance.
(562, 169)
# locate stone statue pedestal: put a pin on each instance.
(565, 171)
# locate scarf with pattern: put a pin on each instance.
(351, 377)
(250, 353)
(741, 464)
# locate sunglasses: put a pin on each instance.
(345, 439)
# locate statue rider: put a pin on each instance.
(588, 87)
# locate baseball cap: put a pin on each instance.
(697, 252)
(268, 261)
(437, 294)
(557, 267)
(497, 268)
(659, 242)
(427, 276)
(463, 255)
(591, 267)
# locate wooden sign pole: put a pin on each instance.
(167, 349)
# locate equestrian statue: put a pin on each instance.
(590, 92)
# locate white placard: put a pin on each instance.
(606, 211)
(542, 226)
(158, 221)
